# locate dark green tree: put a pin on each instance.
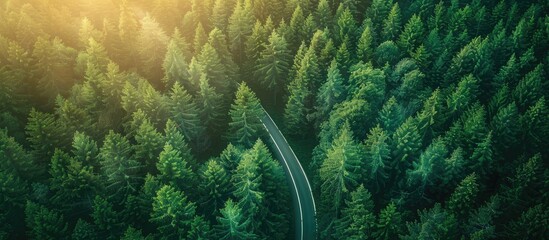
(274, 63)
(245, 113)
(172, 213)
(377, 155)
(463, 198)
(215, 187)
(174, 170)
(389, 223)
(392, 25)
(44, 223)
(185, 114)
(412, 35)
(232, 225)
(357, 219)
(118, 166)
(340, 171)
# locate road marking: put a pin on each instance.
(298, 163)
(291, 176)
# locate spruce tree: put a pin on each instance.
(274, 63)
(172, 212)
(232, 225)
(246, 114)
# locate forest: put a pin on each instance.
(140, 119)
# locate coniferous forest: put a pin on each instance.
(140, 119)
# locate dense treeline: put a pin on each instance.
(126, 119)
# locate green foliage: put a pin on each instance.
(406, 144)
(172, 213)
(245, 113)
(357, 219)
(44, 223)
(73, 181)
(389, 223)
(44, 134)
(392, 25)
(185, 113)
(434, 223)
(232, 225)
(274, 62)
(109, 128)
(462, 200)
(377, 155)
(173, 169)
(118, 166)
(216, 186)
(339, 171)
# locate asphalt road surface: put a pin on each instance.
(302, 196)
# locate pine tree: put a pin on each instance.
(505, 126)
(377, 154)
(176, 139)
(230, 157)
(357, 219)
(215, 187)
(118, 166)
(274, 213)
(365, 48)
(15, 159)
(339, 172)
(105, 218)
(185, 113)
(246, 182)
(255, 44)
(218, 40)
(241, 24)
(412, 35)
(391, 115)
(428, 168)
(323, 14)
(54, 67)
(152, 44)
(533, 125)
(73, 182)
(213, 68)
(389, 223)
(134, 234)
(174, 170)
(392, 25)
(148, 145)
(221, 13)
(434, 223)
(84, 230)
(464, 94)
(406, 145)
(232, 225)
(274, 63)
(200, 38)
(347, 26)
(211, 104)
(529, 89)
(297, 24)
(332, 92)
(44, 223)
(200, 229)
(172, 212)
(462, 200)
(246, 113)
(175, 65)
(44, 134)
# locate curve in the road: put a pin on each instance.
(304, 204)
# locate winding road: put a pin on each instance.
(302, 196)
